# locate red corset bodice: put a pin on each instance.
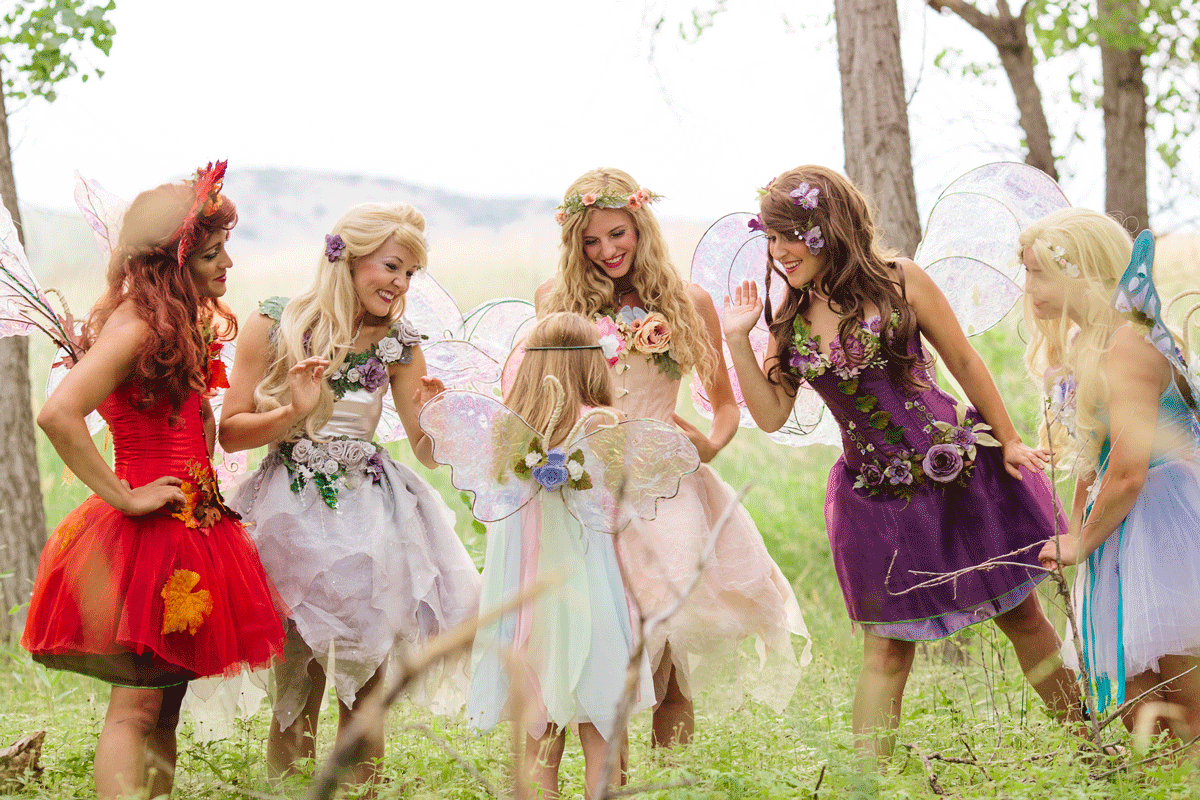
(147, 442)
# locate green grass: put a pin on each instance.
(964, 700)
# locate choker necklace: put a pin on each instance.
(621, 292)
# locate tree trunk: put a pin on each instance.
(875, 117)
(1010, 34)
(1124, 116)
(22, 518)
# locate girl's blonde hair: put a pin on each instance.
(322, 321)
(584, 289)
(1086, 252)
(583, 373)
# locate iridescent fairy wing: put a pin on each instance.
(728, 254)
(481, 440)
(102, 210)
(228, 466)
(1137, 297)
(970, 238)
(630, 466)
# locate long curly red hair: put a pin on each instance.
(146, 269)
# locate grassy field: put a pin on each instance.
(966, 699)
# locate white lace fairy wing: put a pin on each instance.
(1136, 292)
(728, 254)
(481, 440)
(102, 210)
(19, 290)
(631, 466)
(970, 238)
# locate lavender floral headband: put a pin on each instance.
(805, 196)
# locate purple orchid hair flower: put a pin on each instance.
(812, 238)
(756, 223)
(335, 245)
(805, 196)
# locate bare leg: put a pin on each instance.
(287, 747)
(372, 750)
(674, 719)
(886, 665)
(1175, 707)
(132, 719)
(1037, 646)
(593, 758)
(539, 767)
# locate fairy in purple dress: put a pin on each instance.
(926, 485)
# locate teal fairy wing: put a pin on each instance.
(729, 253)
(482, 441)
(626, 469)
(970, 238)
(1137, 297)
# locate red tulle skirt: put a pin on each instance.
(149, 601)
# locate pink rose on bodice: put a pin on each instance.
(611, 342)
(653, 335)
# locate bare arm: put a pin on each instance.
(411, 390)
(720, 393)
(542, 293)
(768, 403)
(107, 365)
(1137, 374)
(244, 428)
(940, 326)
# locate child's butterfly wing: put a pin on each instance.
(728, 254)
(1137, 295)
(970, 238)
(630, 466)
(481, 440)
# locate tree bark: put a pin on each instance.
(875, 117)
(1010, 35)
(22, 518)
(1124, 115)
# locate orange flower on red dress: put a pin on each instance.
(184, 609)
(202, 506)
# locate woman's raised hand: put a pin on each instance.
(743, 311)
(430, 388)
(304, 380)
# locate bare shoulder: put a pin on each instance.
(1131, 358)
(914, 274)
(125, 323)
(544, 291)
(700, 298)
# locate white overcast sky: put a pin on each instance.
(500, 98)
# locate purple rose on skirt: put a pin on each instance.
(554, 472)
(372, 374)
(942, 463)
(871, 474)
(374, 466)
(898, 472)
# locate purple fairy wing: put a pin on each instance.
(970, 238)
(103, 211)
(20, 293)
(631, 466)
(729, 253)
(481, 440)
(1137, 296)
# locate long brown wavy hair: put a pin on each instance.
(860, 273)
(145, 269)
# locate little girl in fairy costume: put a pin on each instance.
(1125, 422)
(552, 470)
(926, 485)
(362, 549)
(614, 268)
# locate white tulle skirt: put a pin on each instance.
(1137, 597)
(384, 569)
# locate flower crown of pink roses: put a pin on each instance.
(609, 198)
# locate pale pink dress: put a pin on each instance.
(742, 592)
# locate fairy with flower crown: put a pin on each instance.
(614, 268)
(151, 582)
(926, 484)
(362, 549)
(1124, 420)
(554, 470)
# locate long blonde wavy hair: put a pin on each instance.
(1059, 348)
(584, 289)
(583, 373)
(322, 321)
